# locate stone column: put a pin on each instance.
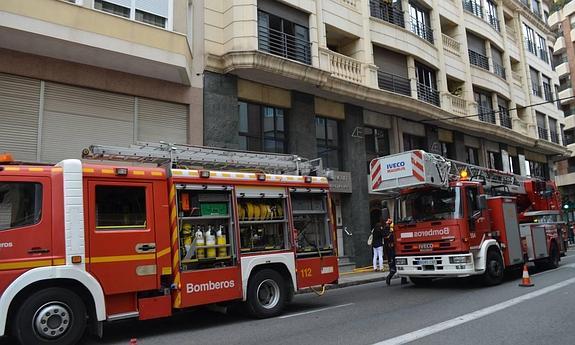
(221, 118)
(300, 124)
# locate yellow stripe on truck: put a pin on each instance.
(25, 264)
(120, 258)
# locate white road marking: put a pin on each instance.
(315, 311)
(442, 326)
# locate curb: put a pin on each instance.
(343, 285)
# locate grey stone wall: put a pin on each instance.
(221, 121)
(355, 206)
(300, 124)
(459, 143)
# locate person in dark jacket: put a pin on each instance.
(377, 245)
(389, 248)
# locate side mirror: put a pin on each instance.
(482, 202)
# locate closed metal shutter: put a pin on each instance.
(19, 109)
(75, 118)
(162, 121)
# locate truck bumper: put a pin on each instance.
(436, 266)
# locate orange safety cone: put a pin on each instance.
(133, 341)
(526, 280)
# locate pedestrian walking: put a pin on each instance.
(389, 248)
(377, 245)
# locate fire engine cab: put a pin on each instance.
(83, 243)
(454, 219)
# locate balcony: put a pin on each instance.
(559, 46)
(282, 44)
(499, 70)
(478, 60)
(67, 32)
(427, 94)
(505, 119)
(542, 133)
(342, 66)
(562, 68)
(457, 104)
(485, 114)
(566, 95)
(393, 83)
(421, 30)
(451, 45)
(494, 22)
(554, 136)
(474, 7)
(386, 12)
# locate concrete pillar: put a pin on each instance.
(300, 124)
(355, 206)
(412, 75)
(441, 75)
(221, 119)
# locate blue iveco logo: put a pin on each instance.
(395, 165)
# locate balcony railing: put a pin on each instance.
(345, 67)
(350, 3)
(451, 45)
(393, 83)
(478, 60)
(499, 70)
(547, 93)
(554, 136)
(427, 94)
(504, 118)
(282, 44)
(485, 114)
(386, 12)
(494, 22)
(542, 133)
(421, 30)
(458, 104)
(474, 7)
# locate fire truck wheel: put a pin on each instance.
(493, 269)
(421, 281)
(52, 316)
(266, 294)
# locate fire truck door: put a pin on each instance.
(122, 242)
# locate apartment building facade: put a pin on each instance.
(349, 80)
(342, 80)
(562, 22)
(81, 72)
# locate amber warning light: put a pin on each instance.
(463, 174)
(6, 157)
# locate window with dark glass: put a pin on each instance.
(426, 84)
(494, 160)
(20, 204)
(279, 36)
(151, 19)
(328, 142)
(120, 208)
(541, 126)
(529, 36)
(262, 128)
(535, 82)
(112, 8)
(484, 106)
(492, 14)
(542, 48)
(504, 117)
(538, 169)
(547, 93)
(472, 155)
(553, 135)
(514, 164)
(413, 142)
(420, 23)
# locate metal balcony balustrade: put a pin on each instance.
(427, 94)
(473, 7)
(478, 59)
(387, 12)
(499, 70)
(505, 118)
(554, 136)
(421, 30)
(485, 114)
(494, 22)
(393, 83)
(542, 133)
(547, 93)
(283, 44)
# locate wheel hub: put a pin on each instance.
(268, 293)
(52, 320)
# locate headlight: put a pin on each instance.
(401, 261)
(459, 259)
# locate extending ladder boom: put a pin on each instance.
(176, 155)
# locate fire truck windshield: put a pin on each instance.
(424, 205)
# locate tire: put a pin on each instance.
(266, 294)
(54, 316)
(421, 281)
(493, 269)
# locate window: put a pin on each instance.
(472, 154)
(541, 126)
(426, 84)
(514, 165)
(120, 208)
(153, 12)
(472, 209)
(413, 142)
(473, 6)
(537, 169)
(535, 83)
(484, 106)
(504, 117)
(430, 205)
(547, 93)
(542, 48)
(282, 37)
(20, 204)
(529, 39)
(495, 161)
(328, 142)
(311, 223)
(553, 135)
(536, 7)
(262, 128)
(492, 14)
(420, 22)
(376, 143)
(387, 10)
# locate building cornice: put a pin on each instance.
(519, 7)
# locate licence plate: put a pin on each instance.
(426, 262)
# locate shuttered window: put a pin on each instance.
(162, 121)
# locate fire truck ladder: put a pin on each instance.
(190, 156)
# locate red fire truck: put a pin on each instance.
(454, 219)
(84, 243)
